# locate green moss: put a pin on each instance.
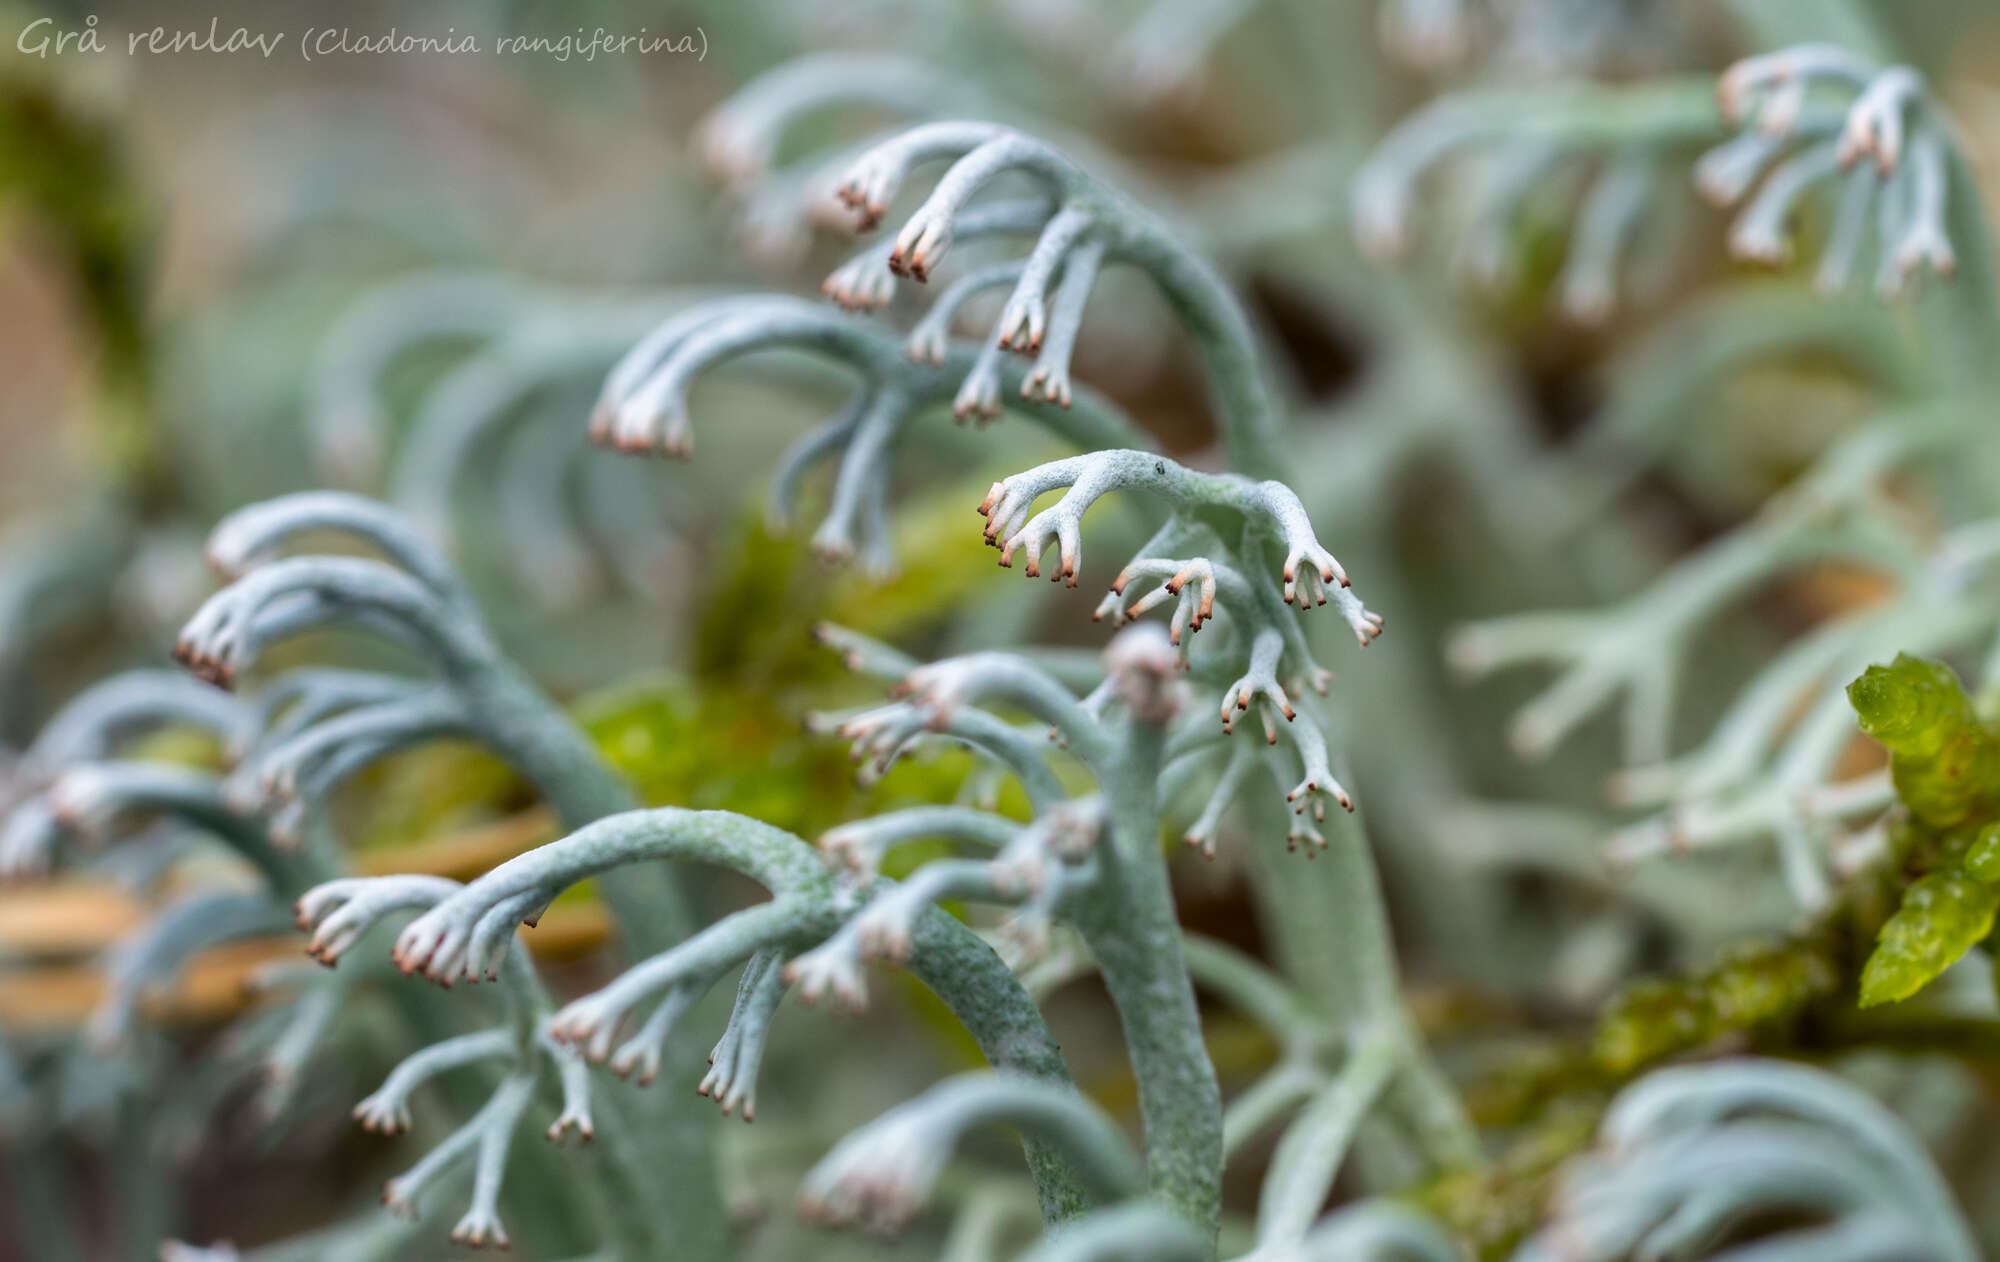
(1913, 705)
(1652, 1019)
(1940, 919)
(1944, 760)
(428, 791)
(1767, 982)
(1749, 989)
(1982, 858)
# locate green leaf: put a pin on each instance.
(1913, 705)
(1945, 763)
(1982, 858)
(1942, 916)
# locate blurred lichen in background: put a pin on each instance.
(1631, 896)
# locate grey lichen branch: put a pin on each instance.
(868, 279)
(253, 535)
(386, 1110)
(413, 595)
(858, 847)
(435, 943)
(731, 1080)
(1038, 867)
(743, 140)
(885, 733)
(336, 724)
(807, 907)
(1088, 225)
(93, 725)
(90, 731)
(348, 417)
(1671, 1104)
(1890, 121)
(92, 800)
(1817, 1167)
(336, 915)
(237, 624)
(297, 772)
(881, 1175)
(938, 690)
(1636, 647)
(1372, 1231)
(1620, 136)
(740, 139)
(493, 424)
(1770, 769)
(644, 404)
(485, 1139)
(1309, 571)
(591, 1023)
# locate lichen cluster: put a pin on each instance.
(1505, 764)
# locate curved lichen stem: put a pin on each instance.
(89, 797)
(807, 907)
(1129, 920)
(503, 707)
(881, 1174)
(1331, 933)
(1246, 416)
(1310, 1153)
(1968, 325)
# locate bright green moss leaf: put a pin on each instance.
(1944, 761)
(1962, 782)
(1912, 705)
(1982, 858)
(1942, 916)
